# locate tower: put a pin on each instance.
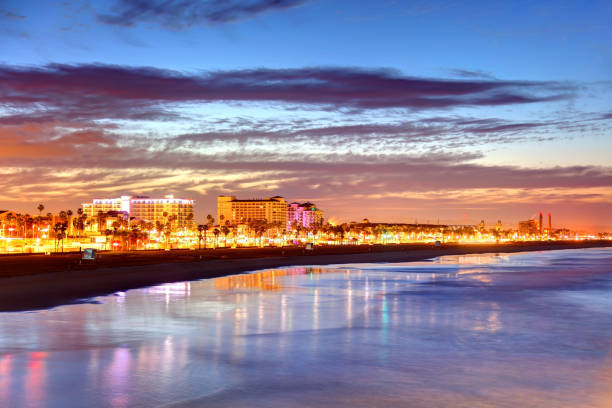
(549, 224)
(541, 223)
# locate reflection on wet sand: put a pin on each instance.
(430, 337)
(266, 280)
(475, 259)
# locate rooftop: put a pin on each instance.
(250, 200)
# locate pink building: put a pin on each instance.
(305, 215)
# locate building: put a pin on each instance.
(481, 226)
(529, 227)
(498, 226)
(305, 215)
(272, 210)
(145, 208)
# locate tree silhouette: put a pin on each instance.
(60, 233)
(225, 230)
(216, 233)
(202, 229)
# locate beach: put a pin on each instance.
(31, 282)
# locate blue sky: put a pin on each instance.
(464, 155)
(513, 40)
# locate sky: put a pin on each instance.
(398, 111)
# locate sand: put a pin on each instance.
(30, 282)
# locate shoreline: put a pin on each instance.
(37, 282)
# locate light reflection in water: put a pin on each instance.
(463, 334)
(5, 377)
(118, 378)
(35, 378)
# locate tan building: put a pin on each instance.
(145, 208)
(272, 209)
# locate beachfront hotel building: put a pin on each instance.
(145, 208)
(271, 209)
(304, 215)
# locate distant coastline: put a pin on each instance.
(31, 282)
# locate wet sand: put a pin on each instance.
(29, 282)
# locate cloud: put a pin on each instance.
(374, 137)
(96, 91)
(352, 188)
(63, 134)
(606, 116)
(53, 163)
(42, 146)
(178, 14)
(10, 15)
(466, 73)
(45, 143)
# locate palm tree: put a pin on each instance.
(69, 216)
(202, 228)
(107, 233)
(148, 226)
(60, 233)
(81, 222)
(29, 224)
(224, 231)
(37, 222)
(10, 217)
(40, 209)
(216, 233)
(342, 232)
(170, 227)
(101, 220)
(259, 227)
(135, 235)
(20, 218)
(124, 236)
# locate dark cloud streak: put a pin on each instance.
(98, 91)
(179, 14)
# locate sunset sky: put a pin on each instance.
(397, 111)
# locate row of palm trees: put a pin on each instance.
(28, 226)
(255, 228)
(347, 233)
(129, 234)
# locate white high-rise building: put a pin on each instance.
(145, 208)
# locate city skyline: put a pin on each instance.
(394, 112)
(125, 204)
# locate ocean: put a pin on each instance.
(523, 330)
